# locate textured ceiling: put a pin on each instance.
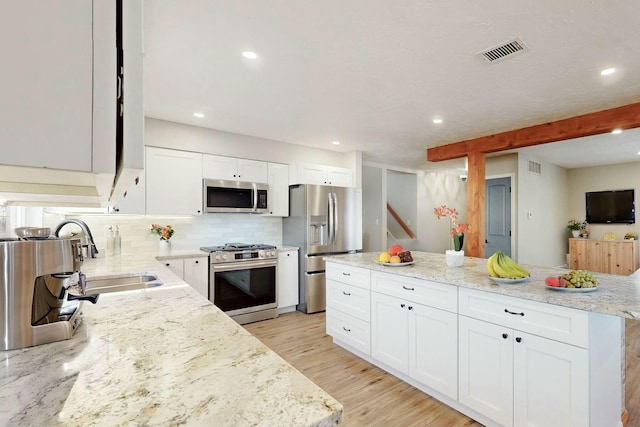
(373, 73)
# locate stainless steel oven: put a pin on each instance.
(242, 280)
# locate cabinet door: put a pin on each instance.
(196, 273)
(349, 299)
(176, 266)
(339, 177)
(133, 199)
(218, 167)
(252, 171)
(174, 182)
(389, 331)
(619, 257)
(46, 84)
(550, 383)
(278, 197)
(486, 369)
(287, 280)
(308, 174)
(433, 348)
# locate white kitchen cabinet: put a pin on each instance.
(534, 364)
(196, 273)
(133, 199)
(173, 182)
(306, 173)
(416, 340)
(193, 270)
(287, 280)
(348, 312)
(390, 331)
(278, 196)
(234, 169)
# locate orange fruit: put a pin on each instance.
(394, 259)
(395, 250)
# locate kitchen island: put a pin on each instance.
(159, 356)
(503, 354)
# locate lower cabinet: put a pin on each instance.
(287, 280)
(503, 361)
(416, 340)
(193, 270)
(519, 379)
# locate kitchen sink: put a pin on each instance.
(128, 282)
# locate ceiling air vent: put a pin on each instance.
(535, 167)
(504, 50)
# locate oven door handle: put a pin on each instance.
(247, 265)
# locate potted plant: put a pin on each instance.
(630, 236)
(575, 226)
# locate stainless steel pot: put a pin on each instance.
(32, 232)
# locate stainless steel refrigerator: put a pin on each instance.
(323, 220)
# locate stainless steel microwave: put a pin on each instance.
(234, 196)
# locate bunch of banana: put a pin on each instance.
(501, 265)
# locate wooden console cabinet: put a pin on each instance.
(612, 257)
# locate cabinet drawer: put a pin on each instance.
(349, 299)
(557, 323)
(432, 294)
(355, 276)
(349, 330)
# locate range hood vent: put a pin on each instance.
(504, 50)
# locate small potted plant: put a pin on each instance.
(630, 236)
(575, 226)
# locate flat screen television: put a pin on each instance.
(611, 207)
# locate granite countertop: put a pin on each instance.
(196, 252)
(615, 295)
(160, 356)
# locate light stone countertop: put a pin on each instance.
(615, 295)
(161, 356)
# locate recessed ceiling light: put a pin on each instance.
(616, 131)
(607, 71)
(336, 142)
(249, 55)
(437, 120)
(199, 115)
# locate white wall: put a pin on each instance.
(613, 177)
(160, 133)
(401, 196)
(373, 217)
(437, 188)
(542, 214)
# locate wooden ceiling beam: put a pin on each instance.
(625, 117)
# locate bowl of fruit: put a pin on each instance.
(573, 281)
(395, 256)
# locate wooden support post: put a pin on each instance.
(476, 195)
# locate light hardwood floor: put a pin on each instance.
(372, 397)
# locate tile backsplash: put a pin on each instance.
(191, 232)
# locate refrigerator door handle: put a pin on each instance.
(331, 219)
(336, 225)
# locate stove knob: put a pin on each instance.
(272, 253)
(217, 257)
(261, 254)
(224, 257)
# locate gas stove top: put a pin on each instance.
(233, 252)
(236, 247)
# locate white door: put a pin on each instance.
(389, 331)
(433, 348)
(498, 216)
(253, 171)
(486, 369)
(174, 182)
(551, 383)
(219, 167)
(287, 285)
(196, 274)
(278, 196)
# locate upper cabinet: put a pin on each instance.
(173, 182)
(306, 173)
(60, 86)
(278, 197)
(233, 169)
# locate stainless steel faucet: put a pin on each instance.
(93, 251)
